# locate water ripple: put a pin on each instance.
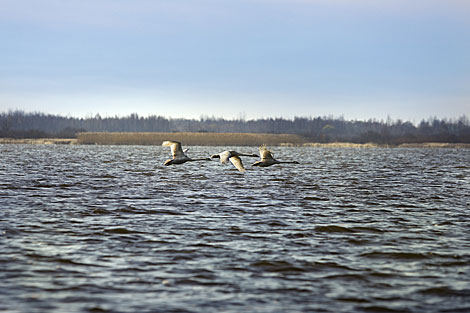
(110, 229)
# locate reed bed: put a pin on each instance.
(189, 138)
(214, 139)
(345, 145)
(436, 145)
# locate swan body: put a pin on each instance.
(267, 158)
(234, 157)
(179, 155)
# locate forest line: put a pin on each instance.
(21, 125)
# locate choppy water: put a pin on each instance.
(110, 229)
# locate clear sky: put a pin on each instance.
(358, 59)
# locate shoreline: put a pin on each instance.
(76, 141)
(40, 141)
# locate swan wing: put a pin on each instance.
(264, 153)
(262, 149)
(237, 162)
(176, 149)
(269, 155)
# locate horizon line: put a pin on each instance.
(241, 117)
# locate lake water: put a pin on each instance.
(110, 229)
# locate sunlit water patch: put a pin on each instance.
(110, 229)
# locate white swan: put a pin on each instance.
(267, 158)
(179, 156)
(234, 157)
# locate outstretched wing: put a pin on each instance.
(264, 153)
(238, 163)
(262, 150)
(175, 146)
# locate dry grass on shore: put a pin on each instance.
(214, 139)
(375, 145)
(435, 145)
(344, 145)
(39, 141)
(189, 138)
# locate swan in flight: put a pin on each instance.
(267, 158)
(179, 156)
(234, 157)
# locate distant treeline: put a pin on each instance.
(19, 124)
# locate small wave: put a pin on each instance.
(357, 300)
(198, 282)
(289, 290)
(147, 174)
(12, 187)
(97, 309)
(133, 210)
(456, 310)
(383, 309)
(60, 260)
(202, 245)
(347, 206)
(382, 275)
(358, 242)
(120, 230)
(329, 266)
(280, 180)
(100, 211)
(44, 185)
(72, 262)
(396, 255)
(298, 235)
(236, 230)
(367, 229)
(333, 229)
(276, 223)
(312, 198)
(407, 206)
(276, 266)
(106, 176)
(445, 291)
(299, 266)
(444, 223)
(372, 203)
(455, 263)
(348, 277)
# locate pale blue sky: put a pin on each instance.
(260, 58)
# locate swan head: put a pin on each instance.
(168, 162)
(215, 156)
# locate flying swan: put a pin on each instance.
(267, 158)
(234, 157)
(179, 156)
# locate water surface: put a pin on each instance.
(110, 229)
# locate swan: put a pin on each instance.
(234, 157)
(179, 155)
(267, 158)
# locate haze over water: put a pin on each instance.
(110, 229)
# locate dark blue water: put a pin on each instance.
(110, 229)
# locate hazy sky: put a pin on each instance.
(259, 58)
